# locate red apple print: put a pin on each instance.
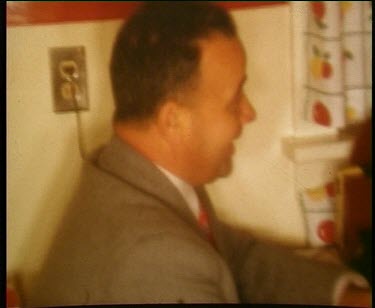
(326, 66)
(326, 70)
(331, 189)
(326, 231)
(318, 9)
(321, 114)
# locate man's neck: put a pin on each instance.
(148, 142)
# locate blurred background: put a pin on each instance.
(300, 59)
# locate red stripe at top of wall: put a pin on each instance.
(35, 12)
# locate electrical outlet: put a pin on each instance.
(69, 85)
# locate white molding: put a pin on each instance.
(307, 149)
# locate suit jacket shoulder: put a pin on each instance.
(129, 237)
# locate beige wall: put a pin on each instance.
(260, 193)
(43, 160)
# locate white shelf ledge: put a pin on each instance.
(306, 149)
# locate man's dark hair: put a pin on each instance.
(156, 53)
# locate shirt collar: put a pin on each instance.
(187, 191)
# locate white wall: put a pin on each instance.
(260, 194)
(43, 160)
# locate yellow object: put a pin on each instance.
(345, 6)
(316, 65)
(351, 113)
(316, 194)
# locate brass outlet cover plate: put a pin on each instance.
(69, 78)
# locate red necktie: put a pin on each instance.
(204, 223)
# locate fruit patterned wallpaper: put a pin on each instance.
(338, 54)
(319, 205)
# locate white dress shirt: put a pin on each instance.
(187, 191)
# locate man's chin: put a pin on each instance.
(225, 169)
(222, 171)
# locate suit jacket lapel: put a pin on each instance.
(122, 161)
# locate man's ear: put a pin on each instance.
(173, 117)
(168, 117)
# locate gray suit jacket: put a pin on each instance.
(129, 237)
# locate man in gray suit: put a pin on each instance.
(141, 229)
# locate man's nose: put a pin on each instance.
(248, 113)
